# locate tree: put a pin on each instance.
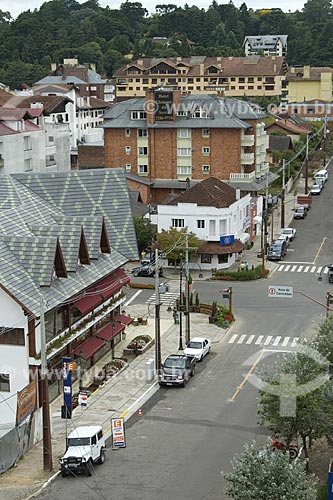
(175, 239)
(144, 232)
(262, 473)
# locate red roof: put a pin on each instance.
(88, 302)
(4, 130)
(127, 320)
(113, 283)
(110, 331)
(89, 348)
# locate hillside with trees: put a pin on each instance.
(65, 29)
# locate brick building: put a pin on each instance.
(234, 76)
(165, 140)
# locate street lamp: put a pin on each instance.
(80, 368)
(180, 346)
(227, 294)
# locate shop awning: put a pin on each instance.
(126, 320)
(214, 248)
(257, 219)
(89, 348)
(89, 301)
(112, 284)
(244, 238)
(110, 331)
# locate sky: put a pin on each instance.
(15, 7)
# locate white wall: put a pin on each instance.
(14, 152)
(14, 360)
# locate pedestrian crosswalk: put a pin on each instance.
(167, 298)
(263, 340)
(302, 268)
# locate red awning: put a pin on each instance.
(112, 284)
(89, 301)
(110, 331)
(89, 348)
(126, 320)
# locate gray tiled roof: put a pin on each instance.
(56, 80)
(51, 207)
(223, 113)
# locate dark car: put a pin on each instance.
(177, 369)
(277, 250)
(300, 212)
(147, 271)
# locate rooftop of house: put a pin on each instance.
(220, 113)
(289, 126)
(209, 193)
(226, 66)
(49, 222)
(265, 41)
(280, 143)
(298, 73)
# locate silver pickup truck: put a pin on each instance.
(177, 369)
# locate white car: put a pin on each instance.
(198, 347)
(290, 232)
(283, 237)
(316, 189)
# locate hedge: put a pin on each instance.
(147, 286)
(249, 275)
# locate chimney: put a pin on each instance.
(53, 66)
(237, 194)
(306, 72)
(179, 59)
(140, 62)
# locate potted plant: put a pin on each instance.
(190, 305)
(212, 317)
(196, 303)
(190, 283)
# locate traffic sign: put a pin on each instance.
(286, 292)
(82, 399)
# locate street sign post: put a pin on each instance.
(118, 433)
(280, 291)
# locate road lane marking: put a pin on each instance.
(294, 342)
(241, 339)
(287, 268)
(259, 339)
(233, 338)
(319, 249)
(313, 268)
(268, 340)
(285, 342)
(293, 269)
(250, 339)
(306, 269)
(299, 269)
(276, 340)
(133, 297)
(325, 271)
(280, 268)
(240, 387)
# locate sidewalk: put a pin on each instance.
(121, 396)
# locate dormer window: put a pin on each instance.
(212, 69)
(201, 112)
(138, 115)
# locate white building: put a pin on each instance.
(268, 45)
(211, 209)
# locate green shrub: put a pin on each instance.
(250, 274)
(322, 492)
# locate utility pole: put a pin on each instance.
(283, 192)
(306, 189)
(263, 230)
(187, 293)
(325, 133)
(328, 301)
(157, 318)
(180, 346)
(47, 445)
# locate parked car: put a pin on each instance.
(290, 232)
(316, 189)
(147, 271)
(283, 237)
(277, 250)
(198, 347)
(85, 446)
(300, 213)
(321, 174)
(177, 369)
(330, 273)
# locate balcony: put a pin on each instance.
(262, 169)
(242, 177)
(247, 141)
(247, 158)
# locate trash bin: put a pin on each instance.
(150, 370)
(162, 288)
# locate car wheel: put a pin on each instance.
(101, 459)
(88, 468)
(193, 372)
(208, 350)
(63, 472)
(201, 357)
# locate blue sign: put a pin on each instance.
(227, 240)
(67, 374)
(330, 486)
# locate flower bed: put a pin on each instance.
(139, 344)
(110, 369)
(249, 275)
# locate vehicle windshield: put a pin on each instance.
(274, 248)
(194, 345)
(174, 363)
(84, 441)
(300, 210)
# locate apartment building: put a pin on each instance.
(308, 83)
(165, 140)
(233, 76)
(267, 45)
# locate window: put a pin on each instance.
(143, 169)
(269, 87)
(232, 87)
(138, 115)
(197, 79)
(241, 87)
(206, 258)
(142, 132)
(128, 167)
(198, 87)
(250, 79)
(12, 336)
(259, 87)
(205, 132)
(205, 169)
(201, 112)
(241, 79)
(177, 223)
(184, 170)
(137, 80)
(4, 382)
(223, 259)
(251, 87)
(259, 78)
(128, 150)
(184, 151)
(233, 79)
(200, 224)
(184, 133)
(127, 132)
(180, 112)
(206, 151)
(51, 138)
(143, 150)
(27, 165)
(27, 143)
(93, 88)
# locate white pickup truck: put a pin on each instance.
(290, 232)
